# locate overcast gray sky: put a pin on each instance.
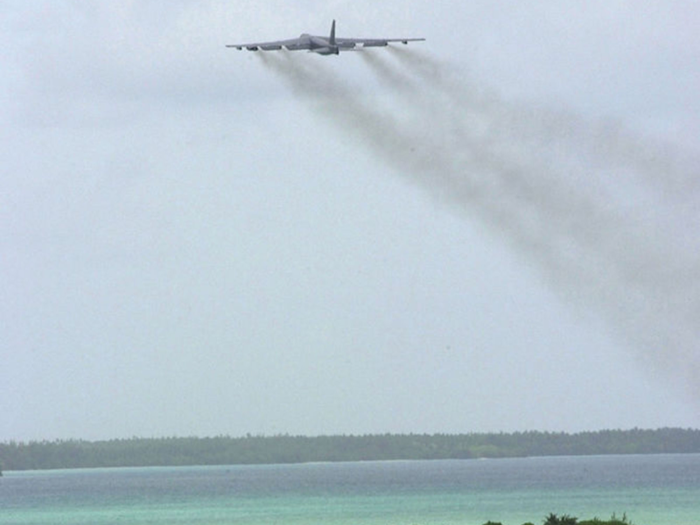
(496, 232)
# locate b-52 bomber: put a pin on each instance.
(323, 45)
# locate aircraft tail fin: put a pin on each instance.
(331, 41)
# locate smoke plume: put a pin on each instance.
(604, 217)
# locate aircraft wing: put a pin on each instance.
(374, 42)
(322, 45)
(293, 44)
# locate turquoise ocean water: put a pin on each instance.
(651, 490)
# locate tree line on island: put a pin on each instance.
(249, 449)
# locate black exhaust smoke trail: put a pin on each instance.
(631, 265)
(541, 180)
(410, 149)
(334, 101)
(455, 133)
(668, 171)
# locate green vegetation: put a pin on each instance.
(224, 450)
(614, 520)
(565, 519)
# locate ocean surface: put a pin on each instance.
(650, 489)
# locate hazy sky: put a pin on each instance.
(496, 231)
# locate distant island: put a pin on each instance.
(249, 449)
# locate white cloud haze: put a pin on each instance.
(492, 230)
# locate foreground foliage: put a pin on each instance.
(224, 450)
(565, 519)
